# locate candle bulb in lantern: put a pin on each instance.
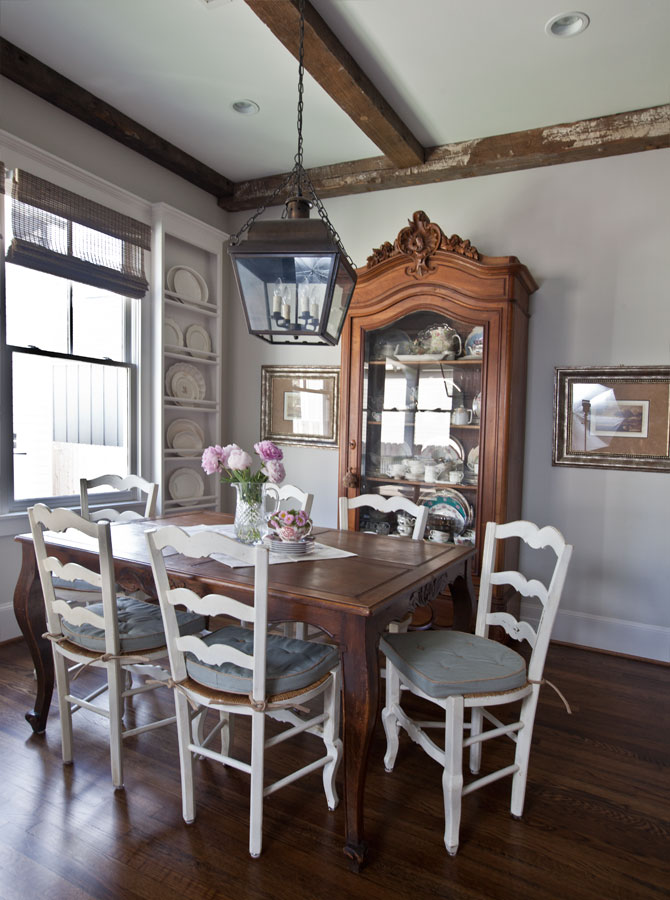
(277, 297)
(286, 311)
(314, 309)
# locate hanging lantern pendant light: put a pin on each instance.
(294, 276)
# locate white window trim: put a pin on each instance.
(16, 153)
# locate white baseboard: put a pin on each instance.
(9, 627)
(604, 633)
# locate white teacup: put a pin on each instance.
(440, 537)
(397, 470)
(455, 476)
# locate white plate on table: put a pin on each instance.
(188, 284)
(185, 484)
(185, 383)
(198, 340)
(173, 334)
(288, 548)
(178, 425)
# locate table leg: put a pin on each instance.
(463, 596)
(360, 695)
(29, 611)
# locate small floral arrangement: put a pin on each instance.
(235, 464)
(290, 524)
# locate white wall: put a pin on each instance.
(595, 235)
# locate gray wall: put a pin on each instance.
(595, 235)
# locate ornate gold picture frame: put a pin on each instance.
(300, 405)
(616, 417)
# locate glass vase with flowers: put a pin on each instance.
(256, 494)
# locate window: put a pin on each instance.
(70, 323)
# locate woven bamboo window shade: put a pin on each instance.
(57, 231)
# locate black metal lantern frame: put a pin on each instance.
(294, 276)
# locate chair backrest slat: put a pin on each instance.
(118, 483)
(42, 519)
(549, 595)
(386, 505)
(206, 544)
(289, 492)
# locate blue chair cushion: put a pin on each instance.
(140, 627)
(291, 664)
(447, 663)
(75, 590)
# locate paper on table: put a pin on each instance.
(320, 551)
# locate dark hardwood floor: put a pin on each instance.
(595, 823)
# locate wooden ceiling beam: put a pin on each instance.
(629, 132)
(33, 75)
(333, 67)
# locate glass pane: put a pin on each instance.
(421, 420)
(71, 421)
(37, 309)
(97, 323)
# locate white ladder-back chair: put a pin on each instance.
(119, 634)
(80, 591)
(458, 671)
(386, 505)
(118, 483)
(289, 493)
(244, 671)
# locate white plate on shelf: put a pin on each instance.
(173, 334)
(178, 425)
(198, 340)
(426, 357)
(185, 484)
(186, 443)
(188, 284)
(473, 458)
(185, 382)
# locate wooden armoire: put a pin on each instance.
(433, 384)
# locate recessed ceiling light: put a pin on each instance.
(567, 24)
(246, 107)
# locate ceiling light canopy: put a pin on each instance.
(567, 24)
(294, 276)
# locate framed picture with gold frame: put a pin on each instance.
(299, 405)
(615, 417)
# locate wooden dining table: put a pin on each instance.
(352, 598)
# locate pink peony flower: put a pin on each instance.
(212, 459)
(239, 459)
(267, 451)
(274, 470)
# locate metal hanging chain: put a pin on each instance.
(298, 175)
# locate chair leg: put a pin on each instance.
(114, 678)
(331, 738)
(452, 776)
(523, 741)
(256, 794)
(389, 718)
(198, 728)
(62, 689)
(185, 757)
(476, 720)
(226, 731)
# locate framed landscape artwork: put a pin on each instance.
(299, 405)
(616, 417)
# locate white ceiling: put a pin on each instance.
(452, 70)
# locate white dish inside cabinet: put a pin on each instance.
(188, 302)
